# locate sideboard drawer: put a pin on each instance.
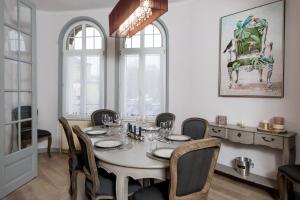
(217, 131)
(269, 140)
(240, 136)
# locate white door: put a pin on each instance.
(18, 113)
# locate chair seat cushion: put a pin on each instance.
(158, 191)
(108, 184)
(43, 133)
(26, 134)
(292, 171)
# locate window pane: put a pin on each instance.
(156, 30)
(25, 76)
(152, 85)
(89, 43)
(149, 29)
(131, 86)
(136, 41)
(78, 31)
(26, 135)
(70, 44)
(97, 34)
(25, 100)
(89, 31)
(11, 42)
(10, 138)
(25, 18)
(10, 75)
(25, 47)
(10, 106)
(93, 68)
(98, 43)
(148, 41)
(78, 43)
(72, 85)
(128, 43)
(157, 41)
(93, 86)
(10, 12)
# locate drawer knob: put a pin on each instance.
(239, 134)
(268, 140)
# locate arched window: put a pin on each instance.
(83, 68)
(143, 73)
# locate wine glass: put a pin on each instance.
(105, 119)
(117, 118)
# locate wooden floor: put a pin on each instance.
(53, 183)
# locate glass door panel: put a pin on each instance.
(10, 75)
(11, 106)
(18, 137)
(10, 138)
(25, 100)
(11, 12)
(25, 76)
(25, 47)
(11, 42)
(25, 18)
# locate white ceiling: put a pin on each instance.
(65, 5)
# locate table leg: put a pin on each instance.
(122, 187)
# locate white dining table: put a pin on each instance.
(133, 162)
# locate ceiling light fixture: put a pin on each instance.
(130, 16)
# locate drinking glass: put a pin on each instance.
(117, 119)
(151, 141)
(105, 119)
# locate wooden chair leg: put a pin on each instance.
(74, 185)
(70, 189)
(282, 186)
(49, 145)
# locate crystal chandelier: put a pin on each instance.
(130, 16)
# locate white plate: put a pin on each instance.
(179, 137)
(108, 143)
(163, 152)
(96, 132)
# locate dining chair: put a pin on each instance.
(195, 127)
(98, 183)
(26, 128)
(97, 116)
(192, 168)
(75, 158)
(164, 117)
(287, 176)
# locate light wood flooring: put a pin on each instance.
(52, 183)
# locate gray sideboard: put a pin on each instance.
(250, 136)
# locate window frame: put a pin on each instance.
(64, 35)
(142, 51)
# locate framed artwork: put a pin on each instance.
(252, 52)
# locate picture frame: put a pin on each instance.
(251, 52)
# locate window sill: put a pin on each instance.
(78, 118)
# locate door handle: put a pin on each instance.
(239, 134)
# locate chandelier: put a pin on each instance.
(130, 16)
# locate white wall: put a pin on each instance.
(194, 45)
